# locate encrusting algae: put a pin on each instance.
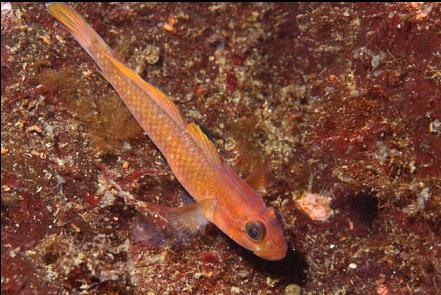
(347, 92)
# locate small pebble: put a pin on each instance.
(198, 275)
(171, 20)
(46, 39)
(375, 62)
(19, 124)
(35, 153)
(293, 289)
(75, 228)
(382, 290)
(35, 128)
(435, 126)
(168, 28)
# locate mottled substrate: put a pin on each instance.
(348, 93)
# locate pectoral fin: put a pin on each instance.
(185, 221)
(180, 222)
(144, 230)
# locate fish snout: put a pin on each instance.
(272, 250)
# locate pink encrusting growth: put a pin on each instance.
(223, 198)
(315, 205)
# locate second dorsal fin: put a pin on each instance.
(204, 143)
(259, 180)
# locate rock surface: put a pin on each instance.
(348, 93)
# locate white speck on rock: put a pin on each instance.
(422, 198)
(375, 62)
(108, 199)
(126, 147)
(235, 290)
(329, 90)
(435, 126)
(355, 93)
(49, 130)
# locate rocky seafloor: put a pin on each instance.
(347, 95)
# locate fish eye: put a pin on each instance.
(255, 230)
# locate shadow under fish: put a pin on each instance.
(290, 270)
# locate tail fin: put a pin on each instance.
(79, 28)
(103, 55)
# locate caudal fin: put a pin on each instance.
(79, 28)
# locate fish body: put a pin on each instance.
(222, 197)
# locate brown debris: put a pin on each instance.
(34, 128)
(4, 150)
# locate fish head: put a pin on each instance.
(244, 217)
(263, 234)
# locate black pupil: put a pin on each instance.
(255, 230)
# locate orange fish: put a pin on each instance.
(222, 197)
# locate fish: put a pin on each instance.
(221, 196)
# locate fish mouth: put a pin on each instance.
(273, 255)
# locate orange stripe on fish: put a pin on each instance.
(221, 196)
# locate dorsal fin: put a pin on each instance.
(204, 143)
(260, 179)
(157, 95)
